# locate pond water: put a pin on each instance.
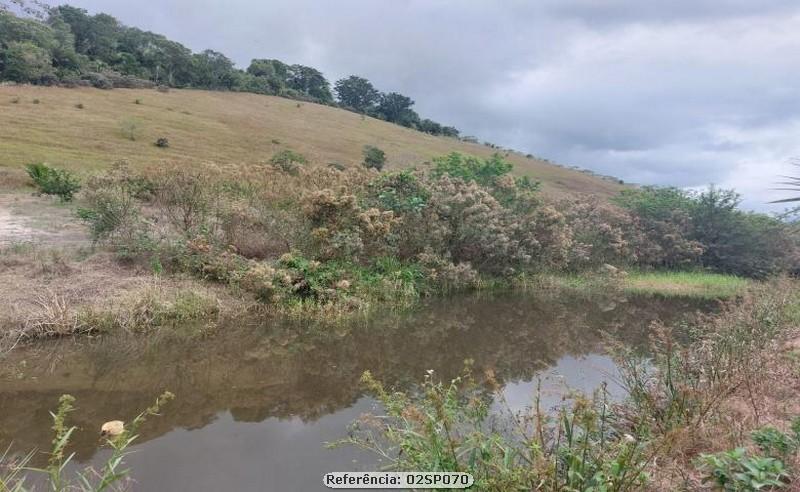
(256, 402)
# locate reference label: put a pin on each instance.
(397, 480)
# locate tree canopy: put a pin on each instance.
(357, 93)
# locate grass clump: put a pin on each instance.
(54, 181)
(703, 285)
(151, 308)
(130, 128)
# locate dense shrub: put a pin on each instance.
(121, 81)
(162, 142)
(707, 229)
(355, 235)
(53, 181)
(98, 80)
(288, 160)
(469, 168)
(374, 158)
(343, 229)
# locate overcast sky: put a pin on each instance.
(684, 93)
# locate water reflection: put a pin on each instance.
(255, 401)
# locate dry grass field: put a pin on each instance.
(82, 129)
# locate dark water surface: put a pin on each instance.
(255, 402)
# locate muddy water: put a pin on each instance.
(256, 401)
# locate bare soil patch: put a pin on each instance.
(27, 218)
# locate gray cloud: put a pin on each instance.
(677, 93)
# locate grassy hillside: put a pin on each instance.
(220, 127)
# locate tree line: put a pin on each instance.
(65, 45)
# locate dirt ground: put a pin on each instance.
(39, 220)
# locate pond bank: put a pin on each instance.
(266, 394)
(63, 291)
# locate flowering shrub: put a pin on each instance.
(343, 229)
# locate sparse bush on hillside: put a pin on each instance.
(53, 181)
(186, 198)
(287, 160)
(374, 158)
(162, 142)
(130, 128)
(111, 208)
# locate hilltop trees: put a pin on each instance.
(272, 73)
(296, 81)
(357, 93)
(213, 70)
(23, 62)
(310, 82)
(396, 108)
(67, 45)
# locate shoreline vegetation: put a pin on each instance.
(172, 245)
(716, 413)
(664, 283)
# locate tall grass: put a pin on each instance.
(703, 285)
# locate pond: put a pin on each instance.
(256, 401)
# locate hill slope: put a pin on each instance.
(221, 127)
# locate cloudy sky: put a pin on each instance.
(685, 93)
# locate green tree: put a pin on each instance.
(430, 126)
(356, 93)
(310, 82)
(396, 108)
(273, 73)
(450, 131)
(26, 62)
(213, 70)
